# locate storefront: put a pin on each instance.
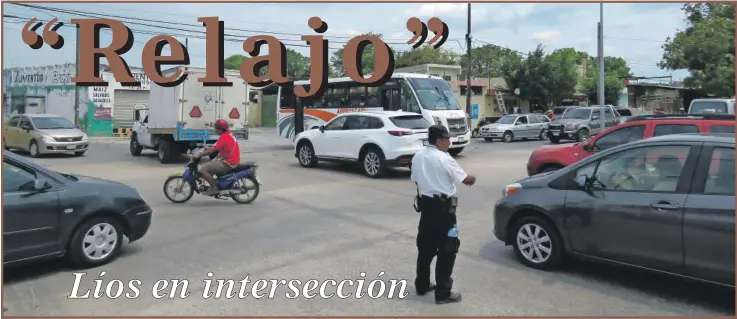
(50, 90)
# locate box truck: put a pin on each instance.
(180, 118)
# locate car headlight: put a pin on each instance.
(47, 138)
(84, 137)
(570, 127)
(511, 189)
(437, 120)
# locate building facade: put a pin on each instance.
(102, 111)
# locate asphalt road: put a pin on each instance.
(333, 223)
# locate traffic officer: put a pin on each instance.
(435, 173)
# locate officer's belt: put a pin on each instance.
(442, 197)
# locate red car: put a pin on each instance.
(553, 157)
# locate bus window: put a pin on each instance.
(409, 102)
(435, 94)
(286, 98)
(372, 96)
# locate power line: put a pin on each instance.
(135, 21)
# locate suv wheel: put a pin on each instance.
(537, 244)
(508, 137)
(373, 163)
(582, 135)
(306, 154)
(543, 135)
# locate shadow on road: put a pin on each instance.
(618, 280)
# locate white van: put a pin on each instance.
(711, 106)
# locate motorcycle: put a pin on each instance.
(481, 123)
(240, 183)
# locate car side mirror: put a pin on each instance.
(78, 127)
(27, 128)
(314, 127)
(41, 184)
(322, 128)
(583, 181)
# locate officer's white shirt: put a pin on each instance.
(436, 172)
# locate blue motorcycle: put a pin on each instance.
(241, 183)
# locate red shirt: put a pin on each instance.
(228, 148)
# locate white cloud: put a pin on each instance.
(546, 35)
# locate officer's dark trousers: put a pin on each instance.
(433, 240)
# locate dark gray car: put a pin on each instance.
(666, 204)
(48, 215)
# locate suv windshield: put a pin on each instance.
(507, 119)
(583, 114)
(434, 94)
(711, 107)
(412, 122)
(52, 123)
(559, 110)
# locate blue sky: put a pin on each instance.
(633, 31)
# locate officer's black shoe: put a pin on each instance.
(429, 288)
(454, 297)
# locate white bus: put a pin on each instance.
(423, 94)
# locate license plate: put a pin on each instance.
(425, 143)
(71, 147)
(555, 133)
(461, 140)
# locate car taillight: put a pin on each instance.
(400, 133)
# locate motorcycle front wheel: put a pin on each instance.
(248, 188)
(177, 190)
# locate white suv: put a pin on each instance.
(377, 140)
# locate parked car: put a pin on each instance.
(581, 122)
(516, 126)
(554, 157)
(559, 110)
(664, 204)
(712, 106)
(623, 114)
(40, 134)
(47, 215)
(377, 140)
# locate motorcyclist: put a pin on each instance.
(229, 156)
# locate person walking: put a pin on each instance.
(435, 173)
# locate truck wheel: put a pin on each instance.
(582, 135)
(164, 151)
(455, 151)
(135, 148)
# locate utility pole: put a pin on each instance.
(602, 103)
(76, 87)
(468, 64)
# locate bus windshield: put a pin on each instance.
(434, 94)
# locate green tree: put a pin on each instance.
(367, 61)
(615, 71)
(546, 79)
(298, 65)
(424, 55)
(705, 48)
(564, 73)
(489, 61)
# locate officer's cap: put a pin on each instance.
(437, 132)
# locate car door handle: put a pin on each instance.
(664, 205)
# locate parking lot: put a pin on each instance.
(331, 222)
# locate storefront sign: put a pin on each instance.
(53, 75)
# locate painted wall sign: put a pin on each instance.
(52, 75)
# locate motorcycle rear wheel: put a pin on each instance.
(252, 190)
(186, 189)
